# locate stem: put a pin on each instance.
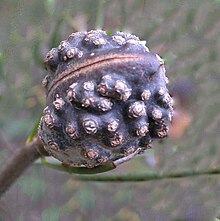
(19, 162)
(25, 156)
(147, 176)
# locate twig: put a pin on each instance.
(25, 156)
(19, 162)
(146, 176)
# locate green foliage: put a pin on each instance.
(51, 214)
(50, 6)
(1, 64)
(124, 195)
(19, 124)
(33, 185)
(186, 34)
(78, 170)
(33, 132)
(85, 198)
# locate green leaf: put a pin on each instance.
(100, 14)
(33, 132)
(36, 49)
(1, 63)
(50, 6)
(79, 170)
(55, 37)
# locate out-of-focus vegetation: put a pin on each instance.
(186, 34)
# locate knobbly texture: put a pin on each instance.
(106, 97)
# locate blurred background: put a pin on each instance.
(186, 34)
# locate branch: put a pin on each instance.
(25, 156)
(146, 176)
(19, 162)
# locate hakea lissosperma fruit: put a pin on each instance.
(106, 99)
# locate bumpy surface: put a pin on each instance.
(106, 97)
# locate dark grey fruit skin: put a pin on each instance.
(106, 97)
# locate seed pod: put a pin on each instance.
(106, 98)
